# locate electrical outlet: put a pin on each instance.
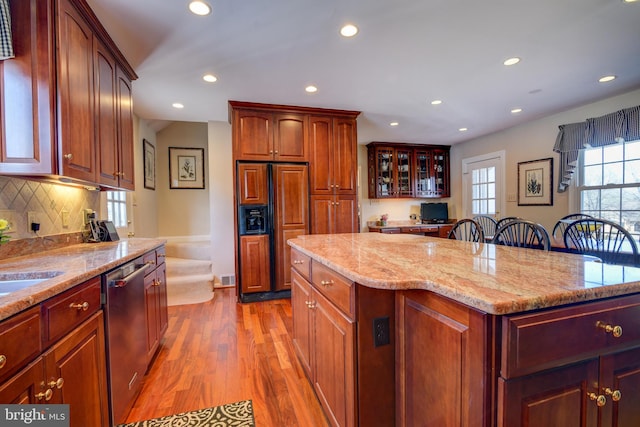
(32, 217)
(381, 331)
(64, 216)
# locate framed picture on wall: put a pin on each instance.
(535, 183)
(186, 168)
(149, 165)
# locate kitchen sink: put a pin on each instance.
(11, 283)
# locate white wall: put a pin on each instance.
(221, 198)
(145, 201)
(181, 212)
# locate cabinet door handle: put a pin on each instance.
(84, 306)
(310, 304)
(616, 330)
(46, 395)
(157, 282)
(56, 383)
(276, 152)
(68, 156)
(298, 261)
(327, 282)
(3, 360)
(615, 394)
(599, 399)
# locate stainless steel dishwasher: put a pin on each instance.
(126, 335)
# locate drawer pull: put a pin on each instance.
(3, 360)
(616, 330)
(298, 261)
(57, 383)
(327, 282)
(46, 395)
(310, 304)
(600, 399)
(84, 306)
(615, 394)
(161, 255)
(150, 263)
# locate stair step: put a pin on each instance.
(192, 289)
(183, 266)
(191, 278)
(189, 250)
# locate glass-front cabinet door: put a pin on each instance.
(403, 172)
(423, 180)
(385, 184)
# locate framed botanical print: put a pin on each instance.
(535, 183)
(186, 168)
(149, 152)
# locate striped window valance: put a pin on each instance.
(6, 45)
(622, 125)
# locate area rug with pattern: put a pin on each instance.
(238, 414)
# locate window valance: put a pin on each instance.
(619, 126)
(6, 45)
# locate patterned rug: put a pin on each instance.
(239, 414)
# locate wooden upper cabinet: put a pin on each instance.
(106, 116)
(26, 121)
(252, 183)
(124, 104)
(76, 94)
(269, 136)
(333, 155)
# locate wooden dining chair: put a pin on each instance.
(602, 238)
(506, 219)
(523, 234)
(488, 224)
(561, 225)
(467, 229)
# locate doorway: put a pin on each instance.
(483, 186)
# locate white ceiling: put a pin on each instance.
(407, 53)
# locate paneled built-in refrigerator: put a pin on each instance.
(272, 207)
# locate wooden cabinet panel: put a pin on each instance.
(291, 212)
(621, 372)
(290, 138)
(19, 341)
(79, 360)
(252, 135)
(302, 327)
(321, 165)
(448, 386)
(301, 263)
(105, 116)
(155, 295)
(346, 215)
(124, 104)
(27, 123)
(335, 288)
(76, 94)
(151, 314)
(334, 214)
(345, 156)
(334, 346)
(26, 387)
(554, 398)
(252, 183)
(255, 270)
(322, 213)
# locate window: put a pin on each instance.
(117, 208)
(483, 191)
(609, 184)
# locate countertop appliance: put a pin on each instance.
(125, 325)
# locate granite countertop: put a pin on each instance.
(491, 278)
(64, 268)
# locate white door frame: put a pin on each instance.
(500, 156)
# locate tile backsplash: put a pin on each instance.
(57, 208)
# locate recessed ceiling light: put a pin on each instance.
(199, 8)
(311, 89)
(349, 30)
(394, 124)
(209, 78)
(463, 129)
(512, 61)
(606, 79)
(436, 102)
(516, 110)
(629, 1)
(177, 105)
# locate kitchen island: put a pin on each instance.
(442, 332)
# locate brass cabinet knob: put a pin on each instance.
(615, 394)
(56, 383)
(614, 330)
(298, 261)
(68, 156)
(327, 282)
(157, 282)
(84, 306)
(3, 360)
(310, 304)
(599, 399)
(46, 395)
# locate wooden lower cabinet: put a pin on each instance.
(334, 214)
(443, 368)
(155, 293)
(72, 372)
(255, 269)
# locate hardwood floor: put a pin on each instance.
(221, 352)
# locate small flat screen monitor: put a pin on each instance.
(437, 213)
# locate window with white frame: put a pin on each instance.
(117, 208)
(609, 184)
(483, 191)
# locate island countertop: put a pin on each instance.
(64, 268)
(491, 278)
